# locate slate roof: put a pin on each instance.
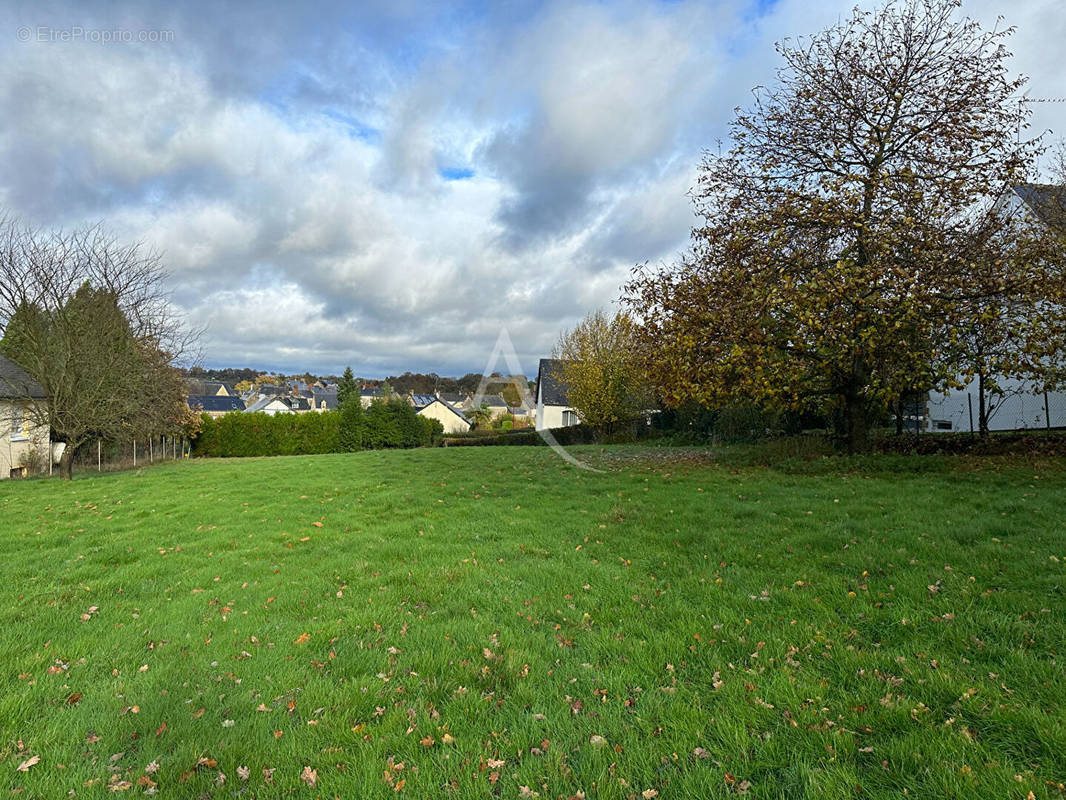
(260, 404)
(16, 382)
(420, 401)
(329, 396)
(371, 391)
(453, 398)
(494, 401)
(214, 402)
(1046, 201)
(550, 386)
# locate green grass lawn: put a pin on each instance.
(485, 622)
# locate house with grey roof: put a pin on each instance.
(269, 405)
(25, 442)
(451, 418)
(553, 409)
(215, 405)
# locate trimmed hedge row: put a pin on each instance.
(385, 424)
(573, 434)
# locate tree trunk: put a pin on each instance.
(856, 423)
(982, 405)
(899, 416)
(66, 463)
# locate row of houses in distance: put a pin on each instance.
(455, 411)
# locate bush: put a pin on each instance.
(352, 425)
(243, 435)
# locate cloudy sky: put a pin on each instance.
(387, 183)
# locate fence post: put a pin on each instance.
(151, 450)
(134, 452)
(1047, 412)
(969, 403)
(99, 464)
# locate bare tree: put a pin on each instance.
(89, 319)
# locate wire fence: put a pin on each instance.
(101, 455)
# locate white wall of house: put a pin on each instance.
(548, 416)
(20, 439)
(451, 421)
(1022, 408)
(555, 417)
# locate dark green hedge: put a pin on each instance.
(574, 434)
(385, 424)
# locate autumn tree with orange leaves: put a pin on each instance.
(843, 228)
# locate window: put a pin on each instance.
(570, 418)
(18, 414)
(942, 424)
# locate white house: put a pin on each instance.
(451, 418)
(1019, 404)
(23, 443)
(268, 405)
(553, 408)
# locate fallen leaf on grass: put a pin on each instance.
(317, 524)
(303, 638)
(699, 752)
(29, 762)
(309, 776)
(73, 699)
(244, 773)
(159, 731)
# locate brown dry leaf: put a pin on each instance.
(145, 782)
(278, 734)
(152, 768)
(317, 524)
(699, 752)
(268, 774)
(120, 786)
(525, 791)
(73, 699)
(29, 762)
(648, 794)
(198, 713)
(448, 739)
(244, 773)
(494, 763)
(91, 737)
(159, 731)
(303, 638)
(427, 741)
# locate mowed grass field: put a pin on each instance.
(483, 622)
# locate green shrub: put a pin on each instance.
(352, 425)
